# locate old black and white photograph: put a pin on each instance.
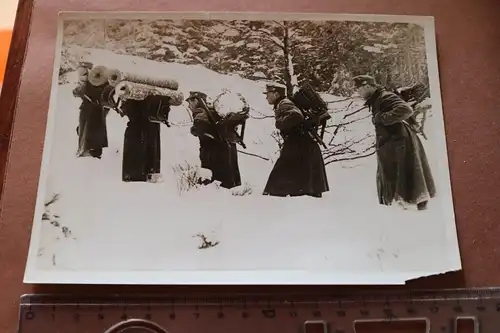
(234, 148)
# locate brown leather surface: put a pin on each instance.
(467, 33)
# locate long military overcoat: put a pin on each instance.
(403, 171)
(141, 144)
(300, 168)
(92, 129)
(218, 152)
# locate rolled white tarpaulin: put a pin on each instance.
(116, 76)
(98, 76)
(139, 91)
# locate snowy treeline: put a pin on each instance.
(327, 54)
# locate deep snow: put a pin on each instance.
(117, 226)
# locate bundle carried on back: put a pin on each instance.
(92, 87)
(98, 76)
(134, 86)
(138, 91)
(116, 76)
(101, 95)
(414, 95)
(314, 108)
(122, 86)
(225, 125)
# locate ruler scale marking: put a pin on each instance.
(328, 313)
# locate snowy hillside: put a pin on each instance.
(153, 226)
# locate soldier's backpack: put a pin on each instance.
(313, 106)
(413, 95)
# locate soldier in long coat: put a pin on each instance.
(141, 145)
(91, 129)
(300, 168)
(403, 171)
(218, 138)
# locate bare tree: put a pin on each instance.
(356, 143)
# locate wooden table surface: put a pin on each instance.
(468, 35)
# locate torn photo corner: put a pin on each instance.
(243, 148)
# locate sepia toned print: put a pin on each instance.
(243, 148)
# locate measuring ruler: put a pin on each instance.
(436, 311)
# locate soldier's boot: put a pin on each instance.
(422, 205)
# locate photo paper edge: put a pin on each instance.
(448, 209)
(236, 277)
(248, 15)
(36, 230)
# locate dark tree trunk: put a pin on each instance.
(286, 53)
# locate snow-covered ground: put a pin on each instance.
(117, 226)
